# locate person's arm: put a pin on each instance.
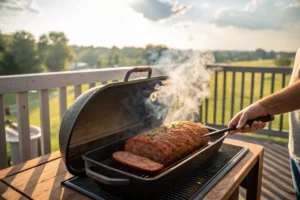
(286, 100)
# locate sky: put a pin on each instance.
(183, 24)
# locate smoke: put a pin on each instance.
(187, 86)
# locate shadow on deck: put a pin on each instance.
(277, 180)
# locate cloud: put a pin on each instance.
(19, 6)
(259, 15)
(183, 25)
(156, 10)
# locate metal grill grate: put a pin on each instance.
(89, 187)
(197, 181)
(197, 184)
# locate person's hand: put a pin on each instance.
(251, 112)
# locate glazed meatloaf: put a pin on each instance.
(168, 143)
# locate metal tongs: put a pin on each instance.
(267, 118)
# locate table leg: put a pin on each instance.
(254, 180)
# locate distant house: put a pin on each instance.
(79, 66)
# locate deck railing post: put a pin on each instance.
(3, 151)
(23, 126)
(62, 102)
(45, 122)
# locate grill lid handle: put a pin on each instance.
(138, 69)
(106, 180)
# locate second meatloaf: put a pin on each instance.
(168, 143)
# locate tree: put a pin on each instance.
(282, 61)
(109, 62)
(58, 52)
(99, 64)
(153, 53)
(43, 47)
(21, 56)
(116, 59)
(89, 56)
(260, 53)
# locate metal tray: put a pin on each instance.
(132, 183)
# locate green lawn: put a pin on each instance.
(54, 103)
(257, 63)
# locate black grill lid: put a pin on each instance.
(105, 114)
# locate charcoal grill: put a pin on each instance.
(98, 124)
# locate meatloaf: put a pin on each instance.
(168, 143)
(136, 161)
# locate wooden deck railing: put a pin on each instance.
(235, 87)
(232, 88)
(22, 84)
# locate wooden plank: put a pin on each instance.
(252, 87)
(91, 85)
(232, 94)
(215, 96)
(271, 189)
(7, 192)
(3, 187)
(224, 96)
(77, 91)
(12, 195)
(29, 164)
(23, 126)
(3, 153)
(36, 175)
(242, 91)
(42, 181)
(225, 188)
(45, 122)
(62, 102)
(20, 83)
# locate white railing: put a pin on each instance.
(22, 84)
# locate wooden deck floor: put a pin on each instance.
(277, 179)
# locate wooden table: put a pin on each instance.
(41, 178)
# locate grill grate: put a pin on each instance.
(90, 188)
(198, 183)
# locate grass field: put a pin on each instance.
(257, 63)
(9, 100)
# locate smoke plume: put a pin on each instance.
(187, 86)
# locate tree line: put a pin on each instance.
(21, 53)
(280, 58)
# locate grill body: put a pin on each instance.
(194, 187)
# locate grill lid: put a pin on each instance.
(105, 114)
